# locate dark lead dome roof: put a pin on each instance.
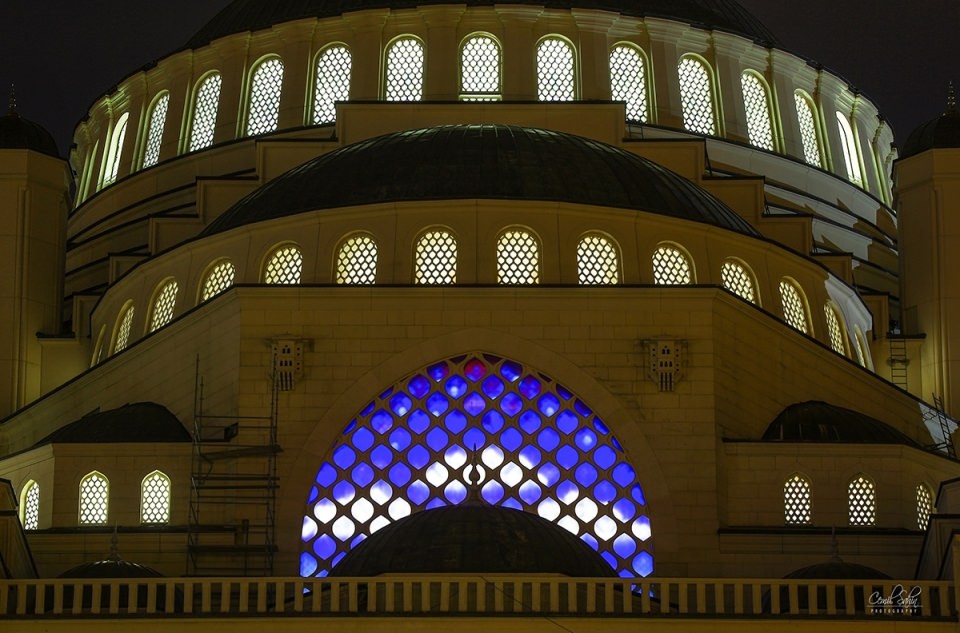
(481, 161)
(19, 133)
(136, 422)
(473, 538)
(111, 568)
(816, 421)
(253, 15)
(942, 132)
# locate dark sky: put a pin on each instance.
(63, 54)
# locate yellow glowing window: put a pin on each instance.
(404, 71)
(205, 108)
(94, 499)
(218, 279)
(265, 92)
(30, 506)
(332, 83)
(597, 261)
(628, 81)
(436, 259)
(671, 267)
(556, 80)
(924, 505)
(756, 102)
(696, 97)
(164, 305)
(794, 307)
(124, 325)
(835, 330)
(808, 129)
(518, 258)
(155, 498)
(284, 266)
(849, 144)
(797, 501)
(158, 118)
(357, 261)
(862, 501)
(480, 69)
(737, 280)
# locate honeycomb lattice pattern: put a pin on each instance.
(436, 259)
(849, 144)
(357, 261)
(737, 280)
(284, 267)
(628, 81)
(155, 498)
(794, 310)
(94, 496)
(218, 279)
(122, 339)
(671, 267)
(265, 97)
(158, 118)
(808, 130)
(924, 506)
(405, 71)
(797, 501)
(333, 83)
(163, 306)
(834, 330)
(518, 258)
(696, 97)
(540, 449)
(861, 350)
(555, 76)
(756, 102)
(31, 507)
(480, 69)
(862, 501)
(597, 261)
(205, 113)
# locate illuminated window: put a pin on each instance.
(756, 102)
(797, 501)
(357, 261)
(86, 182)
(862, 501)
(218, 279)
(436, 259)
(480, 69)
(333, 83)
(696, 96)
(265, 89)
(924, 505)
(155, 498)
(30, 506)
(794, 306)
(597, 261)
(556, 80)
(738, 280)
(540, 449)
(835, 330)
(628, 81)
(671, 267)
(849, 143)
(114, 149)
(158, 118)
(205, 106)
(121, 336)
(518, 258)
(163, 305)
(404, 70)
(808, 128)
(284, 266)
(94, 497)
(861, 347)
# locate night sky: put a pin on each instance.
(63, 54)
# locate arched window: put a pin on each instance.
(556, 75)
(696, 96)
(597, 261)
(862, 353)
(206, 102)
(155, 499)
(94, 499)
(436, 258)
(30, 506)
(756, 103)
(334, 65)
(797, 501)
(862, 501)
(480, 69)
(628, 80)
(807, 119)
(794, 306)
(114, 149)
(404, 80)
(284, 266)
(738, 280)
(849, 143)
(86, 183)
(219, 278)
(357, 261)
(265, 89)
(924, 505)
(835, 329)
(157, 119)
(98, 348)
(671, 267)
(165, 300)
(518, 258)
(121, 332)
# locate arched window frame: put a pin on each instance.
(673, 249)
(831, 308)
(29, 502)
(749, 276)
(163, 304)
(345, 266)
(862, 500)
(863, 351)
(327, 90)
(709, 85)
(760, 123)
(797, 500)
(123, 328)
(811, 138)
(416, 93)
(82, 507)
(114, 147)
(448, 276)
(804, 326)
(574, 86)
(203, 137)
(86, 182)
(272, 256)
(537, 259)
(153, 134)
(851, 151)
(217, 269)
(638, 107)
(481, 95)
(614, 275)
(99, 346)
(263, 96)
(150, 497)
(925, 507)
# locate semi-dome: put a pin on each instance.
(473, 538)
(817, 421)
(135, 422)
(17, 132)
(252, 15)
(481, 161)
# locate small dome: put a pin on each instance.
(136, 422)
(111, 568)
(481, 161)
(473, 538)
(942, 132)
(816, 421)
(17, 132)
(837, 570)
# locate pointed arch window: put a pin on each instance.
(155, 499)
(671, 267)
(30, 506)
(862, 501)
(835, 330)
(357, 261)
(848, 142)
(518, 258)
(206, 102)
(628, 80)
(756, 102)
(738, 280)
(598, 262)
(334, 65)
(163, 304)
(797, 501)
(157, 120)
(807, 120)
(121, 335)
(94, 499)
(404, 79)
(556, 74)
(284, 266)
(219, 278)
(436, 258)
(115, 148)
(480, 69)
(265, 90)
(924, 505)
(794, 306)
(696, 96)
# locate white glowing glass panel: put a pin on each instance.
(556, 80)
(849, 144)
(737, 280)
(218, 279)
(114, 149)
(794, 308)
(597, 261)
(696, 97)
(404, 80)
(518, 258)
(671, 267)
(861, 349)
(332, 83)
(164, 305)
(756, 102)
(94, 498)
(436, 259)
(628, 81)
(924, 506)
(480, 69)
(124, 325)
(797, 501)
(205, 106)
(808, 130)
(284, 266)
(357, 261)
(155, 498)
(835, 330)
(30, 499)
(158, 118)
(265, 92)
(862, 501)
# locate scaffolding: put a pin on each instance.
(936, 419)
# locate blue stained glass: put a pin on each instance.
(610, 558)
(492, 492)
(337, 559)
(511, 404)
(455, 492)
(363, 439)
(568, 492)
(548, 404)
(362, 474)
(436, 502)
(582, 409)
(309, 529)
(474, 403)
(590, 540)
(418, 386)
(308, 564)
(456, 386)
(604, 492)
(567, 422)
(359, 539)
(529, 387)
(623, 474)
(314, 493)
(381, 456)
(586, 440)
(586, 474)
(492, 421)
(548, 439)
(324, 546)
(437, 439)
(455, 456)
(438, 372)
(386, 393)
(381, 421)
(567, 457)
(474, 439)
(327, 474)
(344, 493)
(637, 494)
(600, 426)
(325, 510)
(626, 573)
(367, 409)
(511, 439)
(400, 474)
(512, 503)
(418, 456)
(400, 439)
(511, 370)
(474, 370)
(417, 492)
(456, 421)
(530, 492)
(548, 474)
(641, 528)
(437, 403)
(344, 457)
(418, 421)
(604, 457)
(564, 392)
(616, 444)
(643, 564)
(350, 427)
(400, 404)
(624, 510)
(492, 387)
(529, 422)
(529, 457)
(381, 492)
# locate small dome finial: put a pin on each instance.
(13, 100)
(951, 99)
(473, 494)
(114, 541)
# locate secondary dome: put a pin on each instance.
(473, 538)
(481, 161)
(817, 421)
(17, 132)
(252, 15)
(942, 132)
